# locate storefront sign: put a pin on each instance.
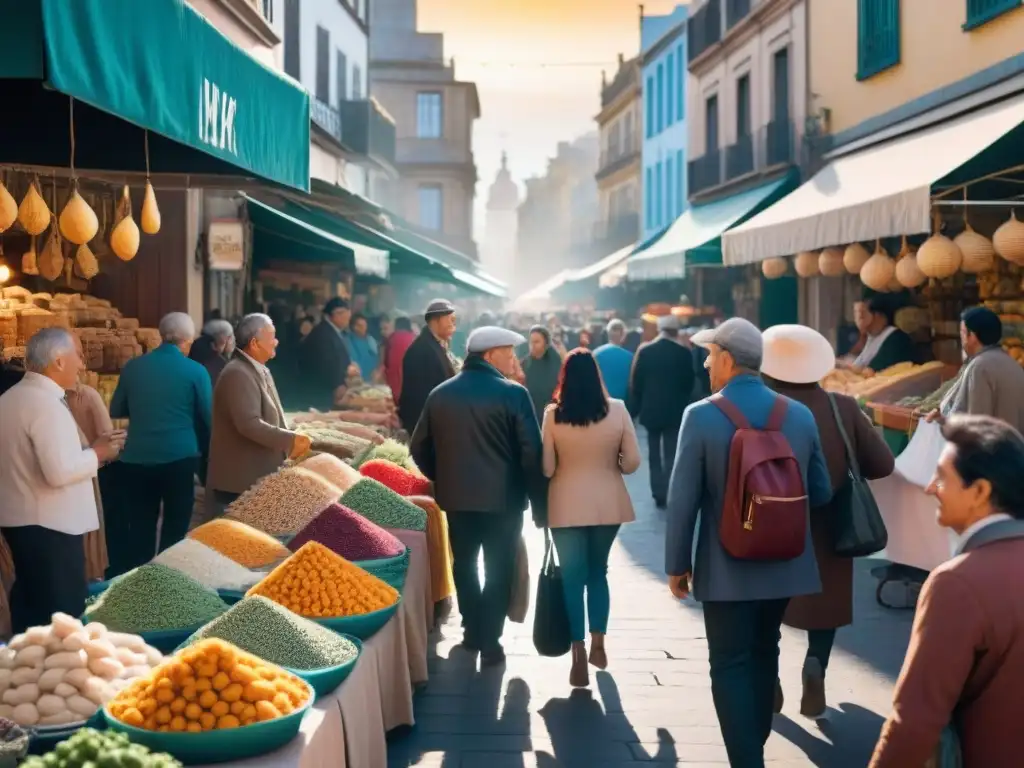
(226, 245)
(217, 117)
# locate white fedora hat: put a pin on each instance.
(796, 354)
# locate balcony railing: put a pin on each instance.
(613, 162)
(704, 29)
(326, 118)
(739, 157)
(704, 172)
(366, 129)
(735, 10)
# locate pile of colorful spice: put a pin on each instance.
(207, 566)
(242, 543)
(381, 505)
(282, 503)
(332, 469)
(398, 479)
(348, 534)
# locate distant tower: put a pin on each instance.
(499, 247)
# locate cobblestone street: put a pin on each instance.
(653, 705)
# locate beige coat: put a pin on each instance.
(586, 465)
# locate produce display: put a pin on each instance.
(207, 566)
(398, 479)
(317, 583)
(211, 685)
(927, 402)
(381, 505)
(332, 469)
(334, 441)
(348, 534)
(376, 398)
(857, 384)
(274, 633)
(282, 503)
(13, 743)
(89, 748)
(395, 452)
(244, 544)
(155, 598)
(64, 672)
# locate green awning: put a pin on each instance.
(695, 238)
(158, 65)
(284, 232)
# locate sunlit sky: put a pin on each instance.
(537, 65)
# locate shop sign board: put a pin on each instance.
(225, 243)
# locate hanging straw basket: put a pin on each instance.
(855, 257)
(1009, 240)
(806, 264)
(979, 255)
(908, 273)
(774, 268)
(879, 270)
(939, 257)
(830, 262)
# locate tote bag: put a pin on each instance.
(858, 529)
(551, 635)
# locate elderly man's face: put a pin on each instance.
(502, 358)
(263, 347)
(444, 326)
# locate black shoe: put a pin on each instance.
(660, 503)
(468, 647)
(492, 658)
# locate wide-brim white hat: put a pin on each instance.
(796, 354)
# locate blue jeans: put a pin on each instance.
(583, 559)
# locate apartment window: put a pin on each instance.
(649, 92)
(659, 104)
(681, 79)
(648, 199)
(428, 115)
(878, 36)
(323, 65)
(680, 183)
(780, 85)
(711, 124)
(291, 38)
(670, 112)
(983, 11)
(628, 141)
(431, 200)
(743, 107)
(341, 76)
(357, 82)
(658, 178)
(668, 191)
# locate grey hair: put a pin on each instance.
(615, 326)
(249, 326)
(177, 328)
(218, 330)
(46, 346)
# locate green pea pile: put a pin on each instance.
(395, 452)
(106, 749)
(153, 598)
(379, 504)
(272, 632)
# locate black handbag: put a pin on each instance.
(858, 529)
(551, 635)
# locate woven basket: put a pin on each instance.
(979, 255)
(878, 271)
(830, 262)
(938, 257)
(774, 268)
(1009, 240)
(908, 273)
(806, 264)
(855, 257)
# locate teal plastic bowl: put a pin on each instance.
(231, 596)
(166, 641)
(218, 746)
(97, 588)
(327, 680)
(363, 627)
(391, 570)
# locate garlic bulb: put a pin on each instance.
(78, 222)
(33, 213)
(86, 265)
(124, 239)
(8, 208)
(150, 217)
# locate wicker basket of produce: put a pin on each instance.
(32, 320)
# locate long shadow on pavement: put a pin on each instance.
(849, 735)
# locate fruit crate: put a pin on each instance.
(895, 417)
(915, 385)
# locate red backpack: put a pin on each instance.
(764, 513)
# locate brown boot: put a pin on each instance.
(598, 657)
(579, 675)
(812, 703)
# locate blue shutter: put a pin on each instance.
(658, 210)
(680, 183)
(983, 11)
(669, 217)
(681, 72)
(660, 104)
(878, 36)
(670, 114)
(649, 96)
(648, 201)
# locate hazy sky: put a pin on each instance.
(537, 65)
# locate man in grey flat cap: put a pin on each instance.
(428, 361)
(479, 441)
(743, 598)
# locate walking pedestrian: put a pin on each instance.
(796, 358)
(479, 441)
(324, 357)
(589, 444)
(541, 368)
(964, 669)
(394, 350)
(615, 361)
(661, 388)
(746, 568)
(427, 362)
(167, 400)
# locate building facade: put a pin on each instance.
(434, 113)
(326, 48)
(663, 100)
(498, 250)
(618, 175)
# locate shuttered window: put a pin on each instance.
(878, 36)
(983, 11)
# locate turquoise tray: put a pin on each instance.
(327, 680)
(218, 746)
(363, 627)
(42, 739)
(231, 596)
(391, 570)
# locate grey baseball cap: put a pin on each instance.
(739, 337)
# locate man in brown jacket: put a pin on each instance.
(250, 438)
(965, 664)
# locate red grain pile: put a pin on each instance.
(398, 479)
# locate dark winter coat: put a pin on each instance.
(425, 365)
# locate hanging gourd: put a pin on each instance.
(51, 260)
(830, 262)
(938, 257)
(8, 208)
(894, 285)
(908, 273)
(78, 222)
(150, 215)
(806, 264)
(33, 214)
(774, 268)
(979, 255)
(124, 238)
(1009, 240)
(86, 264)
(878, 270)
(855, 257)
(29, 261)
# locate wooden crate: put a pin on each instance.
(894, 417)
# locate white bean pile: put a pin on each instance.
(207, 566)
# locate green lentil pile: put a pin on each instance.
(393, 451)
(262, 627)
(154, 598)
(104, 749)
(380, 505)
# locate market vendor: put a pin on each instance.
(991, 382)
(428, 362)
(885, 345)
